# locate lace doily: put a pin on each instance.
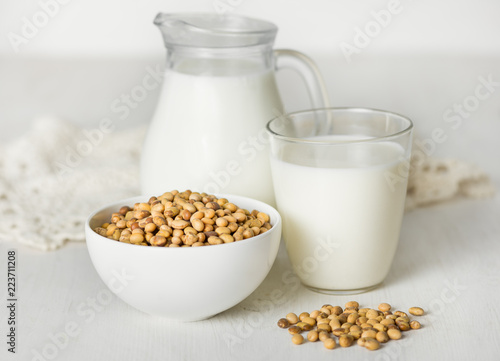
(54, 176)
(436, 180)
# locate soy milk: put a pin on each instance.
(341, 215)
(208, 132)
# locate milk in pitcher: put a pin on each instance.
(208, 132)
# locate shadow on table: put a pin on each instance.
(439, 239)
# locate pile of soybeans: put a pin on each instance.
(367, 326)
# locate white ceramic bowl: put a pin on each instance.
(186, 284)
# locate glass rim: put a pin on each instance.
(407, 129)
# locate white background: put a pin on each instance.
(111, 27)
(427, 59)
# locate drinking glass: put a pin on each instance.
(340, 178)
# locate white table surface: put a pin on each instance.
(447, 262)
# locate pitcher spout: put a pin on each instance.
(205, 30)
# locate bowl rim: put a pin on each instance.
(142, 197)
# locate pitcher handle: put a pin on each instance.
(307, 68)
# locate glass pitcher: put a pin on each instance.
(219, 90)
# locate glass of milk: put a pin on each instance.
(340, 177)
